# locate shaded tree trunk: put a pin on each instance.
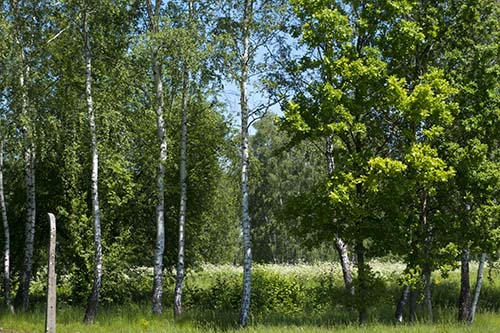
(427, 292)
(426, 272)
(6, 253)
(245, 217)
(157, 298)
(403, 300)
(413, 304)
(22, 296)
(93, 300)
(362, 277)
(182, 210)
(465, 296)
(477, 288)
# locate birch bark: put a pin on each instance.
(91, 310)
(340, 245)
(403, 300)
(245, 217)
(182, 209)
(29, 156)
(477, 288)
(6, 253)
(157, 298)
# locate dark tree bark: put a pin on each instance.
(427, 292)
(426, 271)
(464, 300)
(413, 304)
(362, 277)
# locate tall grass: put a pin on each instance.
(130, 319)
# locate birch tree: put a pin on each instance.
(471, 62)
(22, 104)
(246, 20)
(249, 26)
(477, 289)
(153, 11)
(6, 254)
(183, 173)
(91, 310)
(3, 134)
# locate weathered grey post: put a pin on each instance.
(50, 317)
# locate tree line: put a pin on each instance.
(387, 144)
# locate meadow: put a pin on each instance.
(286, 298)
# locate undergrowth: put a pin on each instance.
(305, 298)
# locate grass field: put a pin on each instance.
(135, 320)
(207, 311)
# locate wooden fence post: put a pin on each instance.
(50, 317)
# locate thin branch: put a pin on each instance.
(57, 35)
(263, 107)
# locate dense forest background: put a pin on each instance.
(360, 130)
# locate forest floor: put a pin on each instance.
(310, 300)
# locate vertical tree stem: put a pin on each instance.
(93, 300)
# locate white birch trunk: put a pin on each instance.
(91, 311)
(477, 288)
(22, 296)
(402, 303)
(157, 298)
(182, 209)
(245, 217)
(6, 253)
(340, 245)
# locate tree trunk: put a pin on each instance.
(154, 14)
(413, 304)
(477, 288)
(245, 217)
(403, 300)
(426, 273)
(345, 264)
(362, 277)
(182, 210)
(340, 245)
(91, 310)
(22, 296)
(465, 297)
(6, 254)
(427, 292)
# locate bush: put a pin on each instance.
(271, 291)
